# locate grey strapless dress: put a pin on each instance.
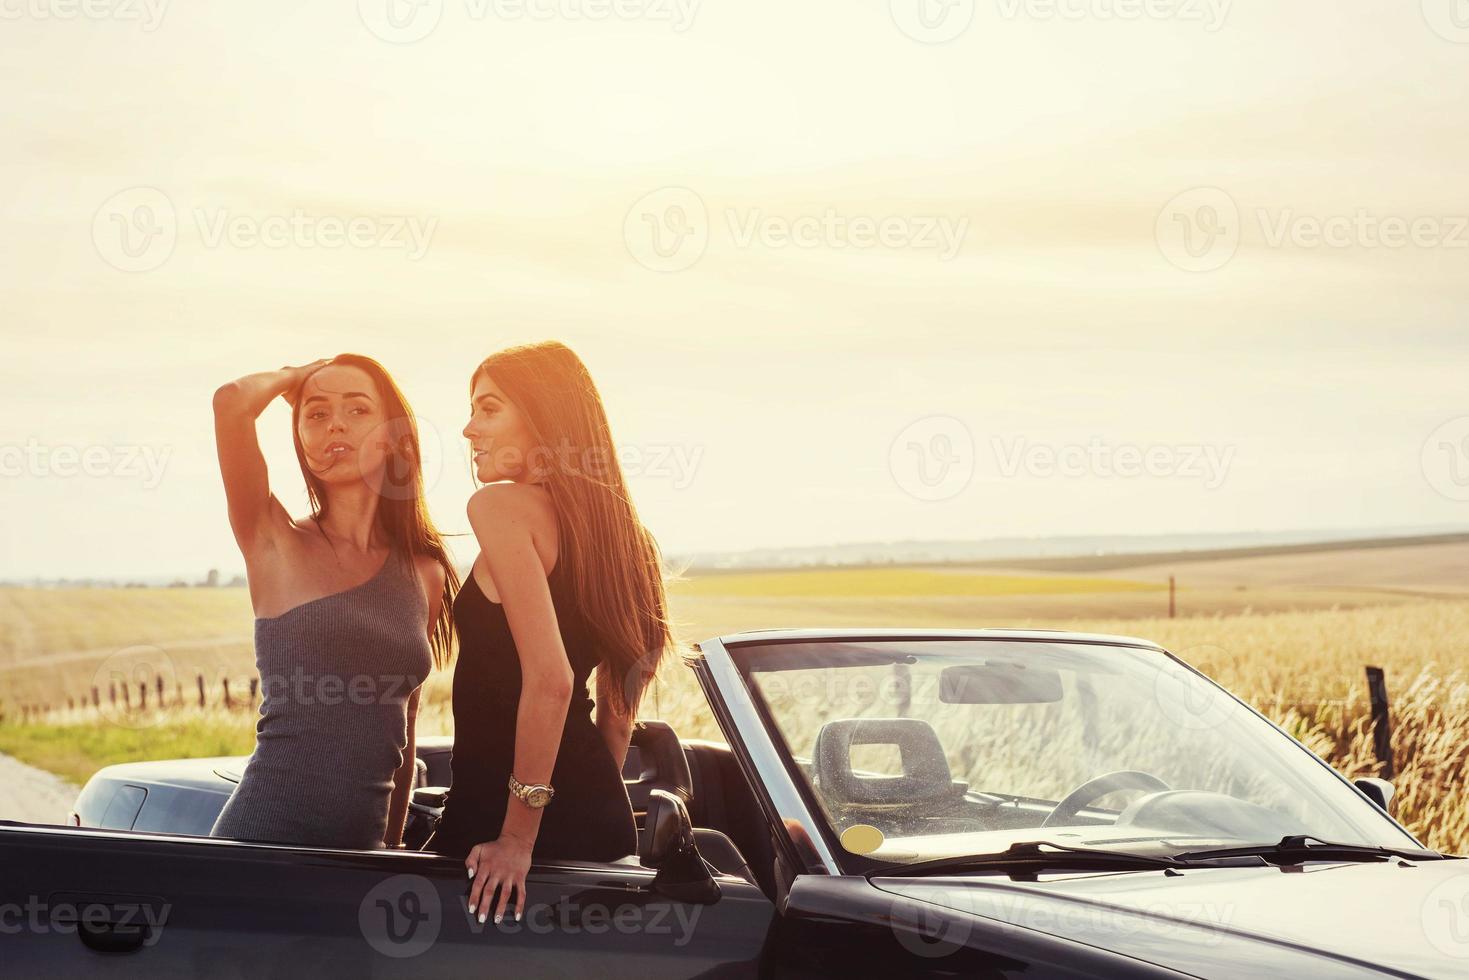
(335, 677)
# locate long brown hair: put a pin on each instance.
(612, 561)
(402, 513)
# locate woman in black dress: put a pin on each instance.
(568, 584)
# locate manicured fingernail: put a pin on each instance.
(471, 908)
(471, 872)
(498, 916)
(517, 916)
(481, 918)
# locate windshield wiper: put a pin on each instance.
(1031, 857)
(1294, 850)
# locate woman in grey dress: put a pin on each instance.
(352, 603)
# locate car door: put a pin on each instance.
(82, 902)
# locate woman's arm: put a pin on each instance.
(433, 573)
(615, 727)
(508, 520)
(403, 779)
(237, 405)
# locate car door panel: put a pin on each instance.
(226, 909)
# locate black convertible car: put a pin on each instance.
(908, 803)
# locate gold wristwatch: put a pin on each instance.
(534, 796)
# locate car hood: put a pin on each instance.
(1385, 918)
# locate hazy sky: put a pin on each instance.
(843, 270)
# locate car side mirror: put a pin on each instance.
(1379, 791)
(667, 845)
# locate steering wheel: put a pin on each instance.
(1098, 787)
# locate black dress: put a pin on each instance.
(590, 817)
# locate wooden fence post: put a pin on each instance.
(227, 703)
(1381, 720)
(1172, 597)
(201, 689)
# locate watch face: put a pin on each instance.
(538, 797)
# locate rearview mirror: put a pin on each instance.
(999, 683)
(1379, 791)
(667, 845)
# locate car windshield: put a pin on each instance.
(916, 750)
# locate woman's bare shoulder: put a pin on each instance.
(430, 573)
(501, 505)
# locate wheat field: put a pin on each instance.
(1302, 667)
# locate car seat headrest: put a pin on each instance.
(926, 776)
